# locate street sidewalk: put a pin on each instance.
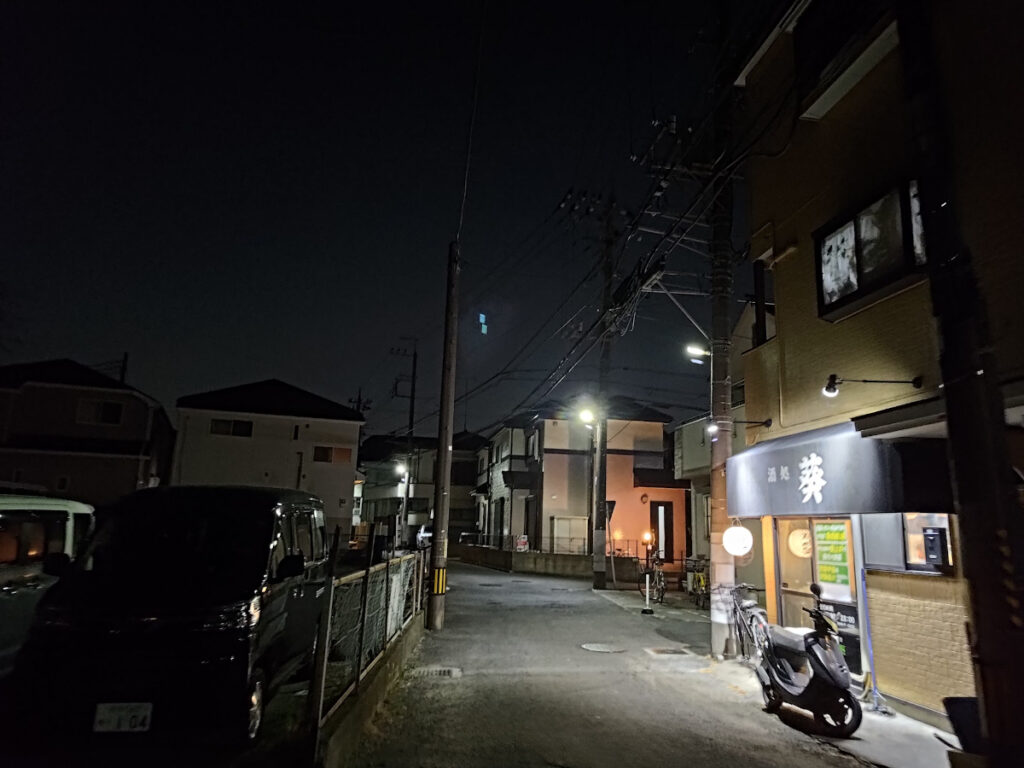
(892, 741)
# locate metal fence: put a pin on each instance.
(559, 545)
(369, 610)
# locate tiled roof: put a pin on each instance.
(272, 397)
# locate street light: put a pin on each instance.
(831, 388)
(697, 354)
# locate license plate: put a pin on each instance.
(132, 717)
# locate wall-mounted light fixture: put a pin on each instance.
(831, 388)
(712, 427)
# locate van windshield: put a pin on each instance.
(161, 545)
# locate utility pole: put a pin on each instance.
(991, 522)
(723, 568)
(124, 368)
(410, 447)
(600, 510)
(442, 479)
(361, 405)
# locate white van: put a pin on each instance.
(30, 528)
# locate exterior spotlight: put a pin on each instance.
(712, 428)
(587, 416)
(400, 469)
(831, 388)
(694, 351)
(647, 537)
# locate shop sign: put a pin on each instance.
(832, 559)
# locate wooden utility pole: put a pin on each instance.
(442, 479)
(991, 521)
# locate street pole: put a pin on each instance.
(442, 479)
(600, 511)
(410, 448)
(991, 523)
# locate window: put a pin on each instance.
(99, 412)
(304, 535)
(896, 541)
(9, 541)
(870, 255)
(323, 453)
(914, 525)
(234, 427)
(63, 482)
(28, 540)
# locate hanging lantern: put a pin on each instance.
(737, 540)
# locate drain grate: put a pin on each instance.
(602, 648)
(436, 672)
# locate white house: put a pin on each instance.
(273, 434)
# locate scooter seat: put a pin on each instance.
(790, 641)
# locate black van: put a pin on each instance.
(186, 608)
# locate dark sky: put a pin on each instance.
(231, 192)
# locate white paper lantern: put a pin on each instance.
(737, 540)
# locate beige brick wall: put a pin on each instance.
(920, 641)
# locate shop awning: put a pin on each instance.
(836, 471)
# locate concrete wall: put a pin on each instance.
(270, 457)
(545, 563)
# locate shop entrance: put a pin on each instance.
(819, 550)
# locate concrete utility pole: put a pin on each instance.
(723, 568)
(991, 521)
(600, 511)
(410, 447)
(442, 479)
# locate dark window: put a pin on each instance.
(304, 535)
(63, 482)
(99, 412)
(24, 538)
(871, 254)
(323, 453)
(234, 427)
(463, 473)
(9, 530)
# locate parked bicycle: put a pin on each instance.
(700, 588)
(658, 585)
(749, 619)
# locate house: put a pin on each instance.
(692, 454)
(271, 433)
(536, 482)
(68, 430)
(387, 459)
(850, 483)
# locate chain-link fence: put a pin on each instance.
(369, 610)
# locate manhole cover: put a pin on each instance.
(436, 672)
(669, 651)
(602, 648)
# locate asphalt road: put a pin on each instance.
(507, 683)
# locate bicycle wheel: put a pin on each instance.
(759, 632)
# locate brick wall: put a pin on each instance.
(917, 626)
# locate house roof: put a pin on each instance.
(618, 407)
(272, 397)
(60, 371)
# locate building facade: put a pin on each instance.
(851, 484)
(383, 457)
(70, 431)
(271, 434)
(536, 483)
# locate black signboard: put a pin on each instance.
(845, 617)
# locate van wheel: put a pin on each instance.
(255, 704)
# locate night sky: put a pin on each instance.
(232, 192)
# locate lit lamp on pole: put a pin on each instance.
(595, 422)
(696, 354)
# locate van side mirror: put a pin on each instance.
(56, 564)
(290, 565)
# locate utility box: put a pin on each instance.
(936, 549)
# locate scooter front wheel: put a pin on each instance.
(839, 716)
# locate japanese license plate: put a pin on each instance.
(131, 717)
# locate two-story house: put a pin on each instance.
(387, 461)
(68, 430)
(536, 482)
(851, 481)
(270, 433)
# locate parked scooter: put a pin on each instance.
(809, 671)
